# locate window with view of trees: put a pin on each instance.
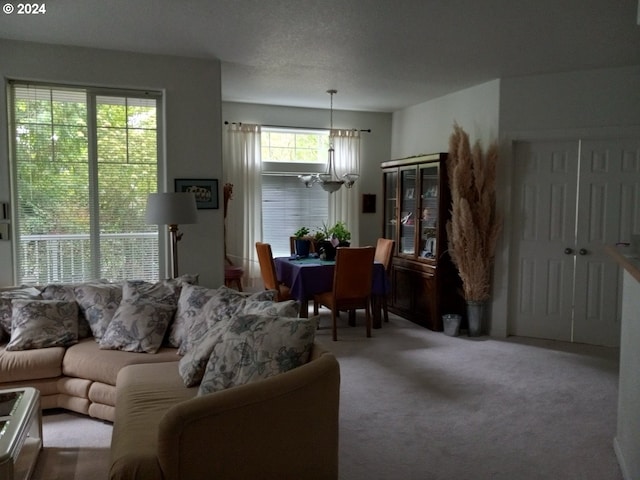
(287, 204)
(83, 164)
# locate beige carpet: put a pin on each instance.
(76, 447)
(421, 405)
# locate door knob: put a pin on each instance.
(583, 251)
(568, 251)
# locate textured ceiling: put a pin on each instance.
(381, 55)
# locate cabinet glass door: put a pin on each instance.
(408, 211)
(391, 205)
(428, 211)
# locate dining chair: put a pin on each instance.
(268, 271)
(384, 254)
(352, 279)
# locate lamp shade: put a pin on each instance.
(171, 208)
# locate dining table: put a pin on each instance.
(308, 276)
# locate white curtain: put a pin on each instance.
(242, 167)
(343, 204)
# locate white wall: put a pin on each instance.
(191, 118)
(627, 440)
(425, 128)
(375, 146)
(572, 102)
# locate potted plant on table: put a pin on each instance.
(336, 236)
(340, 232)
(302, 242)
(474, 226)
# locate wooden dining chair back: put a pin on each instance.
(384, 254)
(268, 272)
(352, 281)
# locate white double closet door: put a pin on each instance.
(570, 199)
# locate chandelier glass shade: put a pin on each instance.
(329, 181)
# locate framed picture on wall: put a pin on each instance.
(368, 203)
(205, 190)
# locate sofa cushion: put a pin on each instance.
(87, 360)
(145, 393)
(31, 364)
(43, 323)
(99, 303)
(254, 347)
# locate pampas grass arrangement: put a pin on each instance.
(474, 226)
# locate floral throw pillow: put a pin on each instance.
(138, 325)
(288, 308)
(66, 292)
(6, 307)
(193, 364)
(42, 324)
(224, 303)
(142, 318)
(192, 299)
(254, 347)
(98, 303)
(215, 319)
(165, 291)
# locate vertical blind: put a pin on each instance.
(84, 163)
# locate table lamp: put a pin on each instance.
(172, 209)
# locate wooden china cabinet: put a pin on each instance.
(417, 203)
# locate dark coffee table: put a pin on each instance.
(20, 432)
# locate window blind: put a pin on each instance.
(84, 164)
(288, 205)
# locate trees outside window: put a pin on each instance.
(83, 164)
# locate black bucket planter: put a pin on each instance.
(327, 251)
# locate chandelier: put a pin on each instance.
(329, 181)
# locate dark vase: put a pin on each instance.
(302, 247)
(327, 251)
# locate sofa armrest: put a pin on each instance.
(285, 426)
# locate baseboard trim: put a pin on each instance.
(621, 462)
